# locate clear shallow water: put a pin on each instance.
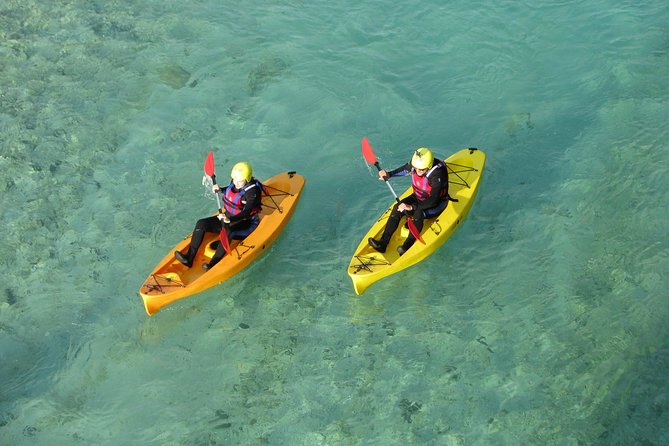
(541, 321)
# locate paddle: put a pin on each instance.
(209, 171)
(368, 153)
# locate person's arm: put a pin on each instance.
(399, 172)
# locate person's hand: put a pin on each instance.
(404, 207)
(383, 175)
(215, 188)
(224, 218)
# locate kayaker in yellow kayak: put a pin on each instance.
(429, 180)
(242, 200)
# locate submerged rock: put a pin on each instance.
(518, 122)
(174, 76)
(409, 408)
(10, 297)
(264, 73)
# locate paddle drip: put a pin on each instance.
(371, 169)
(207, 183)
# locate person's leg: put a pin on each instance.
(208, 224)
(236, 232)
(391, 226)
(419, 220)
(218, 255)
(410, 240)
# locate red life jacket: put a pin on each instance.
(421, 185)
(234, 201)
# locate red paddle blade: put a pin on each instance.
(367, 151)
(224, 240)
(414, 230)
(209, 164)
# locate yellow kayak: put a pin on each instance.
(171, 280)
(368, 266)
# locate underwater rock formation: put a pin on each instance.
(174, 76)
(265, 73)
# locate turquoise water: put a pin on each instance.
(543, 320)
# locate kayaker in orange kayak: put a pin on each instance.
(429, 180)
(241, 205)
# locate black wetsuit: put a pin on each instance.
(432, 205)
(240, 226)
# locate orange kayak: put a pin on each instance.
(171, 280)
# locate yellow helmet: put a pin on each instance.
(422, 158)
(241, 171)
